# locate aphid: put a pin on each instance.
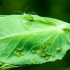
(41, 51)
(49, 43)
(38, 52)
(44, 50)
(33, 62)
(33, 51)
(58, 49)
(47, 53)
(43, 47)
(43, 55)
(21, 53)
(19, 49)
(46, 58)
(29, 17)
(17, 54)
(68, 41)
(2, 64)
(53, 55)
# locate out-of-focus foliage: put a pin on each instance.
(59, 9)
(53, 8)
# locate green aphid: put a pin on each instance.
(33, 62)
(2, 64)
(42, 55)
(46, 58)
(59, 49)
(19, 49)
(53, 55)
(49, 43)
(44, 50)
(43, 47)
(47, 53)
(5, 66)
(21, 53)
(33, 51)
(68, 41)
(17, 54)
(28, 17)
(41, 51)
(37, 52)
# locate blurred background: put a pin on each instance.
(59, 9)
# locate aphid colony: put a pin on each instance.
(44, 53)
(19, 52)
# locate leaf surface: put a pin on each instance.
(31, 39)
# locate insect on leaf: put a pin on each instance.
(30, 38)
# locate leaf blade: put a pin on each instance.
(44, 36)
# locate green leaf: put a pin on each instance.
(31, 39)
